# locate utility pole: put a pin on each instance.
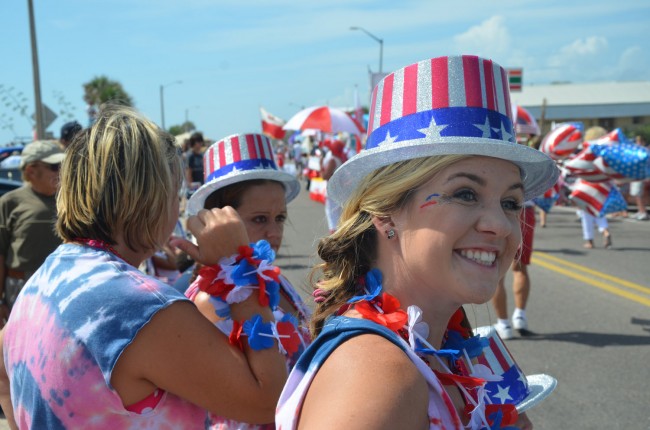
(40, 129)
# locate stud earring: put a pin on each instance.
(390, 234)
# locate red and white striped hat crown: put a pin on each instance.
(441, 106)
(237, 158)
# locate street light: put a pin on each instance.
(162, 102)
(381, 44)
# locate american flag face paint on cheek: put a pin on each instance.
(434, 199)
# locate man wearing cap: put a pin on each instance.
(68, 132)
(27, 217)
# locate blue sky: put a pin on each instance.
(234, 56)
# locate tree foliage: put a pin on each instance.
(183, 128)
(101, 90)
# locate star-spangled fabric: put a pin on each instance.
(626, 159)
(513, 388)
(615, 202)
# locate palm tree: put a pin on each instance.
(101, 89)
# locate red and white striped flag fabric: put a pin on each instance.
(590, 196)
(562, 141)
(583, 166)
(238, 153)
(272, 125)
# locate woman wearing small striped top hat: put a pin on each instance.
(240, 172)
(430, 222)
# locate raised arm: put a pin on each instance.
(182, 352)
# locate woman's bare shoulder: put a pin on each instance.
(367, 382)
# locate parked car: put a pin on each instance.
(7, 185)
(10, 163)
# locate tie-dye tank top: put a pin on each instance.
(71, 322)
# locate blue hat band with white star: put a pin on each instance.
(238, 166)
(444, 122)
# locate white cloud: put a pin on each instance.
(589, 46)
(633, 64)
(584, 59)
(579, 50)
(489, 39)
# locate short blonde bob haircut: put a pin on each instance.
(350, 252)
(119, 177)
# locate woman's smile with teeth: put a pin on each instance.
(482, 257)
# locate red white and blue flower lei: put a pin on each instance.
(233, 280)
(460, 346)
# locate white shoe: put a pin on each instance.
(504, 331)
(520, 322)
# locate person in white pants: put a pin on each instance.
(588, 222)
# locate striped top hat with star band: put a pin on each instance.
(238, 158)
(441, 106)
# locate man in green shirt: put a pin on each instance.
(27, 218)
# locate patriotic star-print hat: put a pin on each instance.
(238, 158)
(441, 106)
(512, 386)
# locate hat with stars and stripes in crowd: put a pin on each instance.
(237, 158)
(442, 106)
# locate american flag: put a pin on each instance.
(583, 166)
(421, 100)
(623, 161)
(272, 125)
(513, 388)
(597, 199)
(236, 153)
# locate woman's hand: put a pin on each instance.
(218, 232)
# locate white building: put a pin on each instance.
(607, 104)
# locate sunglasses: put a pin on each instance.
(52, 167)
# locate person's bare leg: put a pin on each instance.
(500, 304)
(520, 285)
(500, 300)
(521, 290)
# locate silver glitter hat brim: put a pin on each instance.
(538, 170)
(290, 182)
(539, 387)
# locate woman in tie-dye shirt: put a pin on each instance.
(94, 343)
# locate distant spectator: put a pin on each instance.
(334, 158)
(68, 131)
(194, 167)
(27, 218)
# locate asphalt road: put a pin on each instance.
(590, 310)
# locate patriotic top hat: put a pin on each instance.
(514, 387)
(237, 158)
(445, 105)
